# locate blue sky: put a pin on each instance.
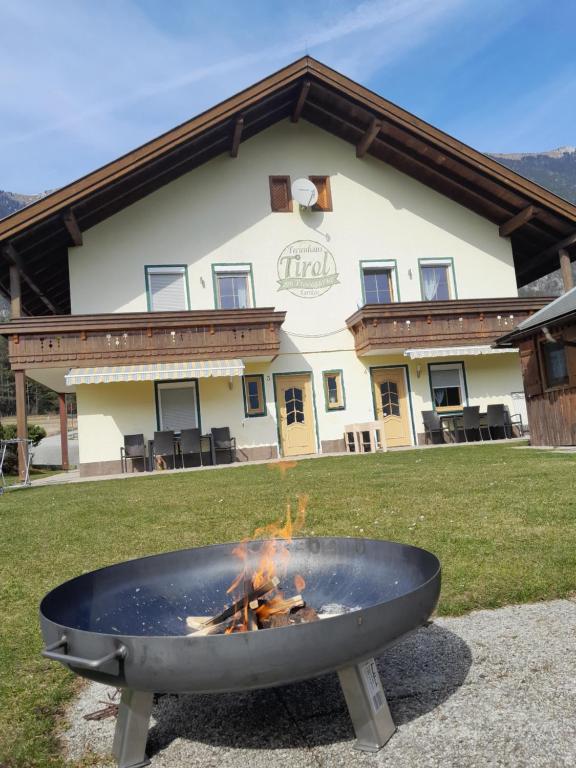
(83, 81)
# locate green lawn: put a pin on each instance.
(501, 518)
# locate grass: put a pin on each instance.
(501, 518)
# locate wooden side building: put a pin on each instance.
(547, 344)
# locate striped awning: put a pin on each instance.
(482, 349)
(198, 369)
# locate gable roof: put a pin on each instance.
(38, 236)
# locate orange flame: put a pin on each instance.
(274, 557)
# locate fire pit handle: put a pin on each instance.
(78, 661)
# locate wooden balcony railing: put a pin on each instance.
(437, 323)
(142, 337)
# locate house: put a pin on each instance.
(547, 344)
(183, 284)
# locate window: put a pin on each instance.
(254, 400)
(233, 286)
(280, 195)
(322, 184)
(436, 280)
(334, 390)
(447, 385)
(555, 365)
(177, 405)
(390, 398)
(294, 402)
(377, 285)
(167, 289)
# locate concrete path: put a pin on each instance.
(48, 453)
(495, 688)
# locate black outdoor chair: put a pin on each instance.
(224, 445)
(498, 422)
(134, 448)
(433, 428)
(191, 445)
(468, 428)
(501, 424)
(164, 448)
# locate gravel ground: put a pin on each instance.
(494, 688)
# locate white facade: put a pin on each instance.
(220, 214)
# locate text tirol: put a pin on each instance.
(306, 269)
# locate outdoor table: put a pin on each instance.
(208, 437)
(450, 419)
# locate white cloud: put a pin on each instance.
(82, 82)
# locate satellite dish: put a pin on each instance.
(304, 192)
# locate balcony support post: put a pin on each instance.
(21, 421)
(15, 292)
(566, 269)
(63, 430)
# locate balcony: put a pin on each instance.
(384, 328)
(142, 337)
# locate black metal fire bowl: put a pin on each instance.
(124, 625)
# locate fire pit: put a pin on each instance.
(130, 626)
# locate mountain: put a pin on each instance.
(555, 169)
(10, 202)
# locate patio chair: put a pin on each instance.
(190, 445)
(469, 427)
(433, 428)
(498, 422)
(224, 445)
(164, 448)
(134, 448)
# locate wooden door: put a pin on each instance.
(392, 406)
(296, 414)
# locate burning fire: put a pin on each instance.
(272, 565)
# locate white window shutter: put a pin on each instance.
(178, 408)
(167, 291)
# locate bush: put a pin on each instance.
(8, 432)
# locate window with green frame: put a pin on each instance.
(334, 396)
(254, 399)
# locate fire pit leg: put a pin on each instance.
(367, 705)
(131, 732)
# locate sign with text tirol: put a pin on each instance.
(306, 269)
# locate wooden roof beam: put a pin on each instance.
(72, 227)
(237, 136)
(13, 258)
(517, 221)
(371, 132)
(565, 243)
(302, 96)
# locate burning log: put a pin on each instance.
(281, 606)
(238, 605)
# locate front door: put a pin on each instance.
(392, 407)
(296, 414)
